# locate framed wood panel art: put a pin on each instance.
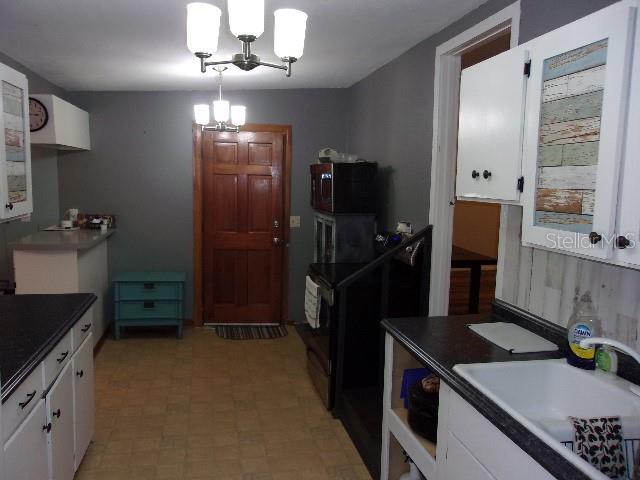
(15, 151)
(576, 111)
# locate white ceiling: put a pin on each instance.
(141, 44)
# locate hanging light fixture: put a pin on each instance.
(221, 112)
(246, 22)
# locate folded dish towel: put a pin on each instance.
(312, 303)
(600, 442)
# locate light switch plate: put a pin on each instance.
(294, 221)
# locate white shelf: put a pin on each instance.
(421, 450)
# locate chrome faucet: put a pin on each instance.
(596, 341)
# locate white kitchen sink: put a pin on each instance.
(541, 394)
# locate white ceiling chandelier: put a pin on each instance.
(221, 112)
(246, 22)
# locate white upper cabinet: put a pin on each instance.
(15, 151)
(627, 242)
(59, 124)
(492, 102)
(575, 127)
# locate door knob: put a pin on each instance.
(9, 206)
(486, 174)
(475, 174)
(276, 241)
(594, 237)
(276, 224)
(622, 242)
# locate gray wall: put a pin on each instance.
(44, 177)
(390, 122)
(140, 168)
(541, 16)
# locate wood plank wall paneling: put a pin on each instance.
(572, 131)
(569, 137)
(548, 284)
(575, 84)
(580, 177)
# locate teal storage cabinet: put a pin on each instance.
(148, 298)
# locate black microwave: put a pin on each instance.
(344, 187)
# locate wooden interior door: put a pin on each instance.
(243, 226)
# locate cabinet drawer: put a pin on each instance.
(82, 329)
(57, 359)
(21, 402)
(148, 309)
(148, 291)
(490, 446)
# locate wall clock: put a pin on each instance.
(38, 115)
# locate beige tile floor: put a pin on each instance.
(207, 408)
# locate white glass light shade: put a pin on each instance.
(221, 110)
(201, 113)
(203, 27)
(238, 115)
(288, 35)
(246, 17)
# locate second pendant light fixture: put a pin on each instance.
(221, 112)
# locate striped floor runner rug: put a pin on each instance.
(263, 332)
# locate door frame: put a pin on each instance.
(198, 234)
(443, 154)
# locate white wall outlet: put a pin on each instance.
(294, 221)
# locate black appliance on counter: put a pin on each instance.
(344, 187)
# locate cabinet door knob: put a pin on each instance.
(9, 206)
(86, 328)
(80, 373)
(47, 427)
(475, 174)
(622, 242)
(594, 237)
(57, 413)
(486, 174)
(62, 357)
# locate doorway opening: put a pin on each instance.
(241, 225)
(476, 225)
(442, 199)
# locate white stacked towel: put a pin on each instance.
(312, 303)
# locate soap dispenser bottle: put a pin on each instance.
(583, 323)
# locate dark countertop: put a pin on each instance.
(30, 326)
(82, 239)
(442, 342)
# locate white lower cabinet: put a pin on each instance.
(59, 403)
(25, 452)
(83, 398)
(48, 434)
(492, 449)
(468, 446)
(461, 463)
